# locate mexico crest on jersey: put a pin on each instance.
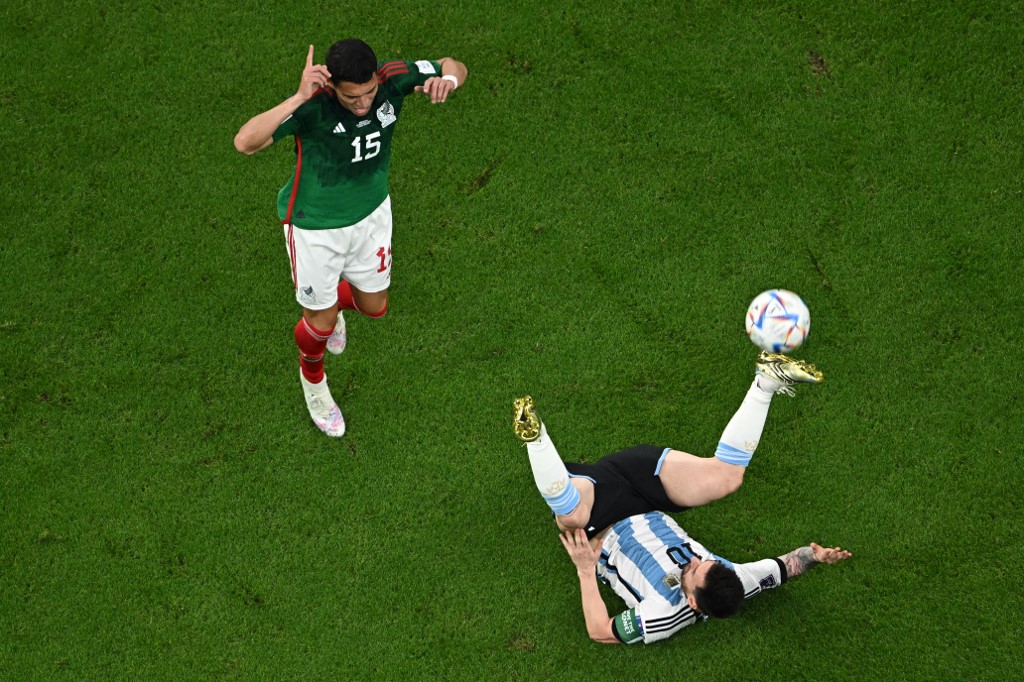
(386, 114)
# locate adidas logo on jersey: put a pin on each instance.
(339, 129)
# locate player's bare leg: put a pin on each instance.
(580, 516)
(321, 319)
(692, 481)
(373, 305)
(571, 499)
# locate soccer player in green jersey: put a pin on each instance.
(335, 208)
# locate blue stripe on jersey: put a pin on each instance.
(731, 455)
(645, 560)
(661, 460)
(632, 590)
(724, 562)
(579, 475)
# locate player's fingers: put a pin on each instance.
(309, 57)
(430, 88)
(838, 554)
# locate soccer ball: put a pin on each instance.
(778, 321)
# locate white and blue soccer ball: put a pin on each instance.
(778, 321)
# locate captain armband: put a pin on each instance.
(627, 627)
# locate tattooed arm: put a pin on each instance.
(800, 560)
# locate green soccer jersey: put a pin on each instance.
(341, 167)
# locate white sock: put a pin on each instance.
(550, 474)
(742, 434)
(768, 384)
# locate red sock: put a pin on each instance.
(311, 342)
(345, 299)
(348, 302)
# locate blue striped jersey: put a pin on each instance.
(643, 558)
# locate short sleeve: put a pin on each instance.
(758, 576)
(297, 123)
(288, 127)
(626, 627)
(406, 75)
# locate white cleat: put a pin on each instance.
(338, 338)
(325, 412)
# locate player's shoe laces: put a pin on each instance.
(525, 421)
(782, 371)
(338, 338)
(325, 412)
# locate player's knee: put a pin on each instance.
(321, 320)
(375, 308)
(732, 478)
(577, 518)
(378, 313)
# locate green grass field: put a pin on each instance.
(586, 221)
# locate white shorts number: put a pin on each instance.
(360, 253)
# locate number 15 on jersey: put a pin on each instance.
(372, 147)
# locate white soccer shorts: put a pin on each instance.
(359, 253)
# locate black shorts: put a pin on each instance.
(625, 483)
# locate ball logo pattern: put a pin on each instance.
(778, 321)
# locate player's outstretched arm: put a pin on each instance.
(802, 559)
(258, 132)
(585, 556)
(453, 75)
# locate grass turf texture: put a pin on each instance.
(586, 221)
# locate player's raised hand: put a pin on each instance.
(314, 77)
(438, 89)
(829, 555)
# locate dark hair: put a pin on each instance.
(351, 60)
(722, 593)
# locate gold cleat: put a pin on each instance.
(525, 421)
(787, 371)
